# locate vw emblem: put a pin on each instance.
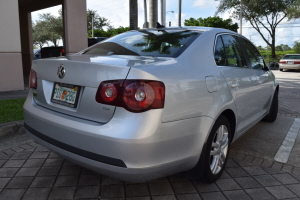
(61, 71)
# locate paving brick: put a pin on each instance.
(165, 197)
(41, 148)
(239, 157)
(53, 162)
(245, 163)
(48, 171)
(21, 155)
(285, 178)
(20, 182)
(160, 188)
(178, 177)
(17, 149)
(188, 197)
(2, 162)
(287, 168)
(67, 163)
(14, 163)
(37, 193)
(272, 170)
(204, 187)
(257, 161)
(62, 193)
(183, 187)
(136, 190)
(43, 182)
(281, 192)
(88, 172)
(39, 154)
(267, 180)
(53, 155)
(85, 180)
(277, 165)
(9, 151)
(296, 170)
(28, 171)
(110, 181)
(260, 193)
(231, 163)
(34, 163)
(3, 182)
(26, 146)
(70, 170)
(248, 159)
(84, 192)
(225, 175)
(137, 198)
(8, 172)
(108, 191)
(255, 170)
(160, 180)
(227, 184)
(247, 182)
(267, 163)
(237, 172)
(213, 195)
(294, 188)
(67, 181)
(237, 194)
(12, 194)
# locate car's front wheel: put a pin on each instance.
(217, 149)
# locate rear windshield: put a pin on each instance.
(291, 57)
(156, 43)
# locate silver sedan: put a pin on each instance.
(290, 61)
(152, 102)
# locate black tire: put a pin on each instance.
(281, 70)
(210, 175)
(271, 117)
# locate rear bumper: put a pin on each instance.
(130, 144)
(287, 66)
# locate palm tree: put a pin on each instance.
(133, 14)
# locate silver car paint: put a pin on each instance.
(157, 142)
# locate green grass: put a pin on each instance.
(11, 110)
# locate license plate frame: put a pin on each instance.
(290, 62)
(72, 92)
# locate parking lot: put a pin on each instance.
(30, 171)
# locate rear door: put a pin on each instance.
(240, 78)
(264, 78)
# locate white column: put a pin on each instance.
(11, 72)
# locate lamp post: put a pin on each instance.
(241, 17)
(92, 25)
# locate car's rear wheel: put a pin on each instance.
(271, 117)
(217, 149)
(281, 70)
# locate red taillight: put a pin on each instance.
(33, 79)
(62, 52)
(296, 62)
(282, 62)
(133, 95)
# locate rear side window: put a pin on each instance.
(256, 60)
(233, 51)
(156, 43)
(220, 56)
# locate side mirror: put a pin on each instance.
(266, 68)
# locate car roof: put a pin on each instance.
(192, 28)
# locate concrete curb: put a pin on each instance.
(12, 127)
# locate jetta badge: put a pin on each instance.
(61, 71)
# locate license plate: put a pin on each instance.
(65, 94)
(290, 62)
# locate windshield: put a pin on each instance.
(291, 57)
(156, 43)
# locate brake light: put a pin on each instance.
(282, 62)
(33, 79)
(62, 52)
(133, 95)
(296, 62)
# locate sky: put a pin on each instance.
(117, 12)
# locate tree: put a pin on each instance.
(109, 32)
(283, 47)
(212, 22)
(260, 48)
(296, 47)
(99, 22)
(262, 14)
(38, 36)
(294, 10)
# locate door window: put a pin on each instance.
(220, 56)
(234, 53)
(256, 60)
